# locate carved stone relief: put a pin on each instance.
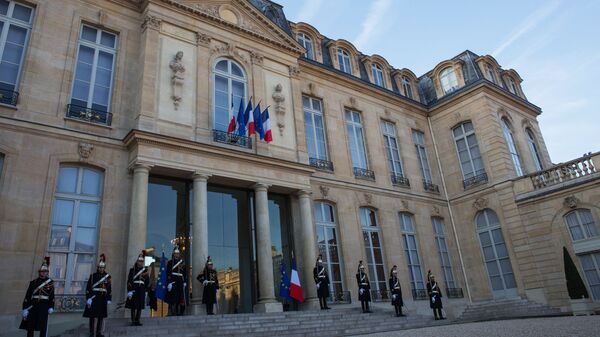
(480, 204)
(177, 78)
(571, 202)
(151, 22)
(279, 99)
(85, 151)
(324, 191)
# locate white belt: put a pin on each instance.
(396, 288)
(140, 282)
(99, 289)
(321, 276)
(363, 284)
(178, 274)
(40, 297)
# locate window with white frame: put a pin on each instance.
(468, 150)
(407, 86)
(356, 139)
(328, 243)
(15, 27)
(419, 140)
(344, 61)
(533, 148)
(74, 229)
(448, 80)
(314, 128)
(581, 224)
(307, 43)
(442, 247)
(512, 86)
(512, 146)
(373, 248)
(391, 148)
(377, 73)
(411, 251)
(591, 268)
(94, 72)
(490, 73)
(229, 90)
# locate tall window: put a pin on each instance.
(448, 80)
(468, 150)
(440, 240)
(327, 238)
(74, 234)
(512, 147)
(591, 268)
(377, 74)
(356, 139)
(581, 224)
(15, 25)
(535, 153)
(419, 140)
(306, 42)
(407, 86)
(411, 251)
(313, 128)
(92, 83)
(512, 86)
(344, 61)
(490, 73)
(230, 88)
(391, 148)
(373, 249)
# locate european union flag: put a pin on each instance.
(161, 283)
(284, 288)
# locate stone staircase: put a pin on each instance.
(506, 309)
(335, 322)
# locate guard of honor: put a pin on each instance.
(364, 288)
(322, 282)
(435, 296)
(176, 284)
(99, 295)
(138, 283)
(38, 302)
(209, 279)
(394, 283)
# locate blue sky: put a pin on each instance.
(553, 44)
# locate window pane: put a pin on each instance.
(21, 13)
(63, 212)
(108, 39)
(222, 66)
(91, 182)
(60, 237)
(331, 235)
(85, 240)
(58, 266)
(88, 214)
(237, 71)
(329, 213)
(497, 283)
(89, 34)
(3, 7)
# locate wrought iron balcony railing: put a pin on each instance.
(340, 297)
(480, 178)
(89, 114)
(454, 292)
(560, 173)
(9, 97)
(69, 303)
(400, 180)
(364, 173)
(321, 164)
(419, 294)
(232, 139)
(430, 187)
(381, 295)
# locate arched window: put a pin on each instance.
(495, 254)
(468, 154)
(411, 251)
(373, 248)
(344, 61)
(328, 243)
(307, 43)
(512, 147)
(581, 224)
(535, 153)
(448, 80)
(407, 86)
(230, 88)
(377, 73)
(490, 73)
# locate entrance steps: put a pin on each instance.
(335, 322)
(506, 309)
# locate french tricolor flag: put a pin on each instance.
(232, 123)
(266, 123)
(295, 287)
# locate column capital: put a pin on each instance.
(304, 193)
(140, 166)
(200, 176)
(260, 186)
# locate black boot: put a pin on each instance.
(368, 310)
(325, 304)
(362, 305)
(440, 313)
(435, 315)
(400, 311)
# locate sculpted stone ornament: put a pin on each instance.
(404, 204)
(295, 72)
(203, 39)
(228, 49)
(151, 22)
(324, 191)
(256, 58)
(480, 204)
(177, 78)
(368, 198)
(571, 202)
(85, 150)
(435, 210)
(279, 98)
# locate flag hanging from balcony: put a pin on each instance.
(232, 123)
(241, 118)
(266, 124)
(258, 127)
(284, 287)
(249, 117)
(295, 287)
(161, 284)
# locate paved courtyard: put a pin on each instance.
(543, 327)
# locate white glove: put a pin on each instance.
(170, 286)
(433, 299)
(25, 313)
(361, 291)
(50, 310)
(184, 284)
(129, 294)
(108, 302)
(205, 282)
(89, 301)
(394, 297)
(318, 285)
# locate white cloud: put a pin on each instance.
(377, 13)
(309, 10)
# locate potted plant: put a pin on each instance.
(580, 300)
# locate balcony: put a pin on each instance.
(232, 139)
(454, 293)
(419, 294)
(400, 180)
(69, 303)
(480, 178)
(381, 295)
(321, 164)
(430, 187)
(89, 114)
(340, 297)
(362, 173)
(8, 97)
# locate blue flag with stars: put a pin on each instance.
(161, 284)
(284, 288)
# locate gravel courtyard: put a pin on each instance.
(543, 327)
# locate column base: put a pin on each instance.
(268, 307)
(310, 304)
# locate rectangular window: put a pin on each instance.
(344, 61)
(328, 243)
(377, 75)
(411, 251)
(373, 249)
(591, 269)
(419, 140)
(94, 71)
(440, 240)
(314, 129)
(468, 151)
(392, 152)
(356, 139)
(73, 237)
(15, 27)
(406, 85)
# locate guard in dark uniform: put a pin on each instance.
(435, 296)
(322, 282)
(176, 284)
(38, 302)
(394, 283)
(137, 285)
(99, 295)
(364, 288)
(209, 279)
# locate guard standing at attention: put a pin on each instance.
(394, 283)
(435, 296)
(99, 295)
(176, 284)
(364, 288)
(209, 279)
(322, 282)
(137, 285)
(38, 302)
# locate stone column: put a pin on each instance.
(266, 301)
(199, 235)
(309, 249)
(138, 212)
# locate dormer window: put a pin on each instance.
(307, 43)
(490, 73)
(377, 74)
(512, 86)
(448, 80)
(344, 61)
(407, 86)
